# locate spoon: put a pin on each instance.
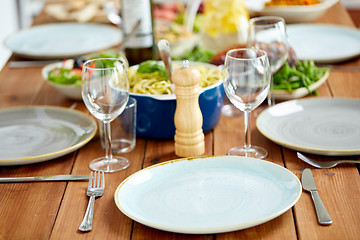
(164, 50)
(324, 164)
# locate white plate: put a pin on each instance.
(300, 92)
(63, 40)
(324, 126)
(292, 14)
(208, 194)
(39, 133)
(324, 43)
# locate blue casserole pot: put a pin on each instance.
(155, 113)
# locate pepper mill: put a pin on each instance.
(189, 136)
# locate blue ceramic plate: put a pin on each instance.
(208, 194)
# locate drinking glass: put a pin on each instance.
(105, 92)
(246, 82)
(269, 34)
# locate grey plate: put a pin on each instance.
(324, 126)
(39, 133)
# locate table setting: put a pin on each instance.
(93, 146)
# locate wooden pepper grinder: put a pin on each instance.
(189, 136)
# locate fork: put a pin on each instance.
(95, 189)
(324, 164)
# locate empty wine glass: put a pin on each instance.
(105, 92)
(269, 34)
(246, 82)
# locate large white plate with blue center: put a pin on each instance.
(323, 126)
(63, 40)
(208, 194)
(33, 134)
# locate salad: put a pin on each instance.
(70, 70)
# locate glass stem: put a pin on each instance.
(247, 119)
(107, 135)
(271, 98)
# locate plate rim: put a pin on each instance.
(204, 230)
(311, 150)
(53, 155)
(65, 55)
(315, 26)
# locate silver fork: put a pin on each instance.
(324, 164)
(95, 189)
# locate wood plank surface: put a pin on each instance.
(54, 210)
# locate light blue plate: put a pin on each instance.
(208, 194)
(63, 40)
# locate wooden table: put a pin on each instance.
(54, 210)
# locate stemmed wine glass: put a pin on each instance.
(246, 82)
(269, 34)
(105, 92)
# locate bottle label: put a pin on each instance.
(132, 11)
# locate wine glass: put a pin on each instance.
(247, 79)
(105, 92)
(269, 34)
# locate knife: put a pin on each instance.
(44, 178)
(308, 184)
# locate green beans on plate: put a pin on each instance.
(304, 74)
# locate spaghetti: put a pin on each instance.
(154, 83)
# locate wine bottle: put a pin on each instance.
(141, 46)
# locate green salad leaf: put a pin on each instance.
(107, 63)
(303, 74)
(197, 55)
(65, 76)
(151, 66)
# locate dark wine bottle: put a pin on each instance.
(141, 46)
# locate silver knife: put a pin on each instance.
(308, 184)
(44, 178)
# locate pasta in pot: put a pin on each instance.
(154, 83)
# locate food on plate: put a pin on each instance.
(66, 74)
(291, 2)
(174, 12)
(225, 23)
(304, 74)
(69, 71)
(198, 54)
(151, 78)
(78, 10)
(219, 58)
(171, 31)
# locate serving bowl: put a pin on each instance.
(295, 13)
(72, 91)
(155, 113)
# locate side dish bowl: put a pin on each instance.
(72, 91)
(155, 113)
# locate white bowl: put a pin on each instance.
(72, 91)
(296, 14)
